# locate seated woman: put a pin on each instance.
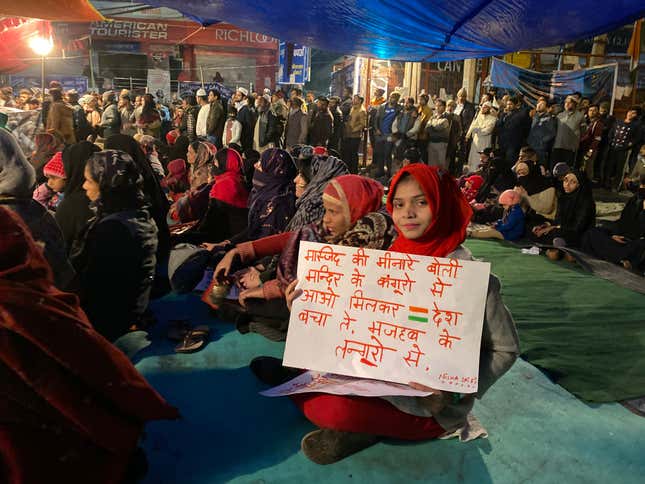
(74, 211)
(17, 180)
(314, 174)
(227, 212)
(74, 407)
(431, 216)
(351, 218)
(157, 202)
(176, 181)
(511, 225)
(193, 205)
(115, 257)
(575, 215)
(272, 199)
(539, 196)
(625, 244)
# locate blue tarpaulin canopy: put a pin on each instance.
(419, 30)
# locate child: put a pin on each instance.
(431, 216)
(471, 187)
(511, 225)
(50, 194)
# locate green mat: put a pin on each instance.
(586, 332)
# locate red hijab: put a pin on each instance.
(53, 341)
(229, 186)
(450, 212)
(357, 195)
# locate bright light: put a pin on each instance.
(41, 46)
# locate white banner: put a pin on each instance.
(311, 381)
(388, 316)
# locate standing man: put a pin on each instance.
(216, 118)
(311, 103)
(439, 128)
(481, 134)
(297, 125)
(126, 110)
(321, 123)
(543, 129)
(81, 127)
(189, 118)
(246, 117)
(590, 141)
(567, 138)
(111, 118)
(201, 128)
(266, 133)
(337, 134)
(623, 138)
(424, 113)
(382, 147)
(512, 130)
(455, 160)
(355, 123)
(347, 102)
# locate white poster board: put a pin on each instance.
(159, 80)
(388, 316)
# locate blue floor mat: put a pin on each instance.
(539, 433)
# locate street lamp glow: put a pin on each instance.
(41, 45)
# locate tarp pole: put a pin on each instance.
(92, 82)
(613, 90)
(201, 75)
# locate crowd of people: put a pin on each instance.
(124, 196)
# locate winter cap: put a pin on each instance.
(320, 151)
(54, 167)
(267, 91)
(509, 197)
(561, 169)
(243, 91)
(200, 92)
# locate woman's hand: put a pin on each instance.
(619, 238)
(224, 267)
(256, 292)
(250, 279)
(291, 293)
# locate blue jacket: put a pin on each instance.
(512, 224)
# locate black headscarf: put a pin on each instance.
(73, 212)
(576, 210)
(119, 180)
(534, 182)
(309, 207)
(151, 188)
(272, 200)
(74, 159)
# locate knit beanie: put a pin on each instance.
(509, 197)
(54, 167)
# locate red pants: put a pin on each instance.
(365, 414)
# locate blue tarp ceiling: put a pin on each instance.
(435, 30)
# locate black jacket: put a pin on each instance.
(271, 133)
(513, 128)
(321, 128)
(246, 116)
(543, 129)
(115, 260)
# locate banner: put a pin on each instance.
(388, 316)
(69, 82)
(193, 86)
(294, 64)
(596, 83)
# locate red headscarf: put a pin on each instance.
(53, 342)
(450, 212)
(229, 187)
(357, 195)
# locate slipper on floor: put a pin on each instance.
(195, 340)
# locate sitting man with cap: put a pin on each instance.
(202, 116)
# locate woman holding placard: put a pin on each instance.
(431, 216)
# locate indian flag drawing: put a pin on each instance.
(417, 314)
